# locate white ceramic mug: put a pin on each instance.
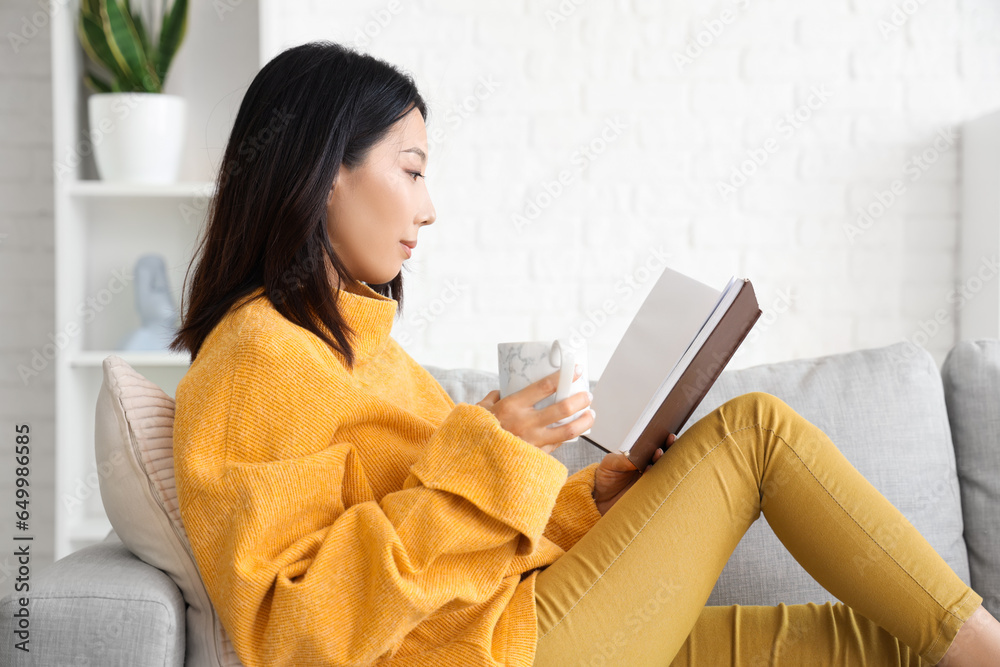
(525, 362)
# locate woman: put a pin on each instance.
(343, 510)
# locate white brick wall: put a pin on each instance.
(27, 303)
(894, 73)
(476, 280)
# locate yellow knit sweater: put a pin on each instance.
(361, 517)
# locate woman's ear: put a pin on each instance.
(341, 170)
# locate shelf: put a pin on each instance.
(95, 358)
(103, 227)
(102, 189)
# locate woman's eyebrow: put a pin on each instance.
(423, 156)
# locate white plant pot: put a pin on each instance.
(137, 137)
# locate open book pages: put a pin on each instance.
(672, 325)
(725, 300)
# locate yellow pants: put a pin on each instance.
(632, 592)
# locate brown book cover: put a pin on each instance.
(694, 380)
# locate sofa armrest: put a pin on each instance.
(98, 606)
(971, 377)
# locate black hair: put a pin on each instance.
(310, 109)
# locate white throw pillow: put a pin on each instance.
(134, 442)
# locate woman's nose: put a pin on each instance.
(429, 216)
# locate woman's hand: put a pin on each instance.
(616, 474)
(516, 413)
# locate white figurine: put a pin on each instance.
(155, 306)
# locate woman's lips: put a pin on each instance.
(408, 249)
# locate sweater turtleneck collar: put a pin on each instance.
(369, 314)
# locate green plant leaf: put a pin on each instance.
(94, 42)
(123, 40)
(140, 29)
(91, 7)
(172, 33)
(95, 84)
(125, 79)
(151, 53)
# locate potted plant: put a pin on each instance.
(136, 130)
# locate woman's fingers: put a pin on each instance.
(490, 400)
(656, 457)
(516, 413)
(617, 462)
(539, 389)
(568, 431)
(567, 407)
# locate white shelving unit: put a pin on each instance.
(979, 236)
(101, 229)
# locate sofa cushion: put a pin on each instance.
(104, 598)
(884, 408)
(134, 421)
(971, 376)
(464, 385)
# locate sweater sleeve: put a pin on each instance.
(575, 511)
(304, 565)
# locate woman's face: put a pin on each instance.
(376, 207)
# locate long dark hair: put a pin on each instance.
(311, 108)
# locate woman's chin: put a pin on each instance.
(381, 280)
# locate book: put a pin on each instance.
(673, 351)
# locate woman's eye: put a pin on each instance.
(415, 174)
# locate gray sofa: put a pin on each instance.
(929, 440)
